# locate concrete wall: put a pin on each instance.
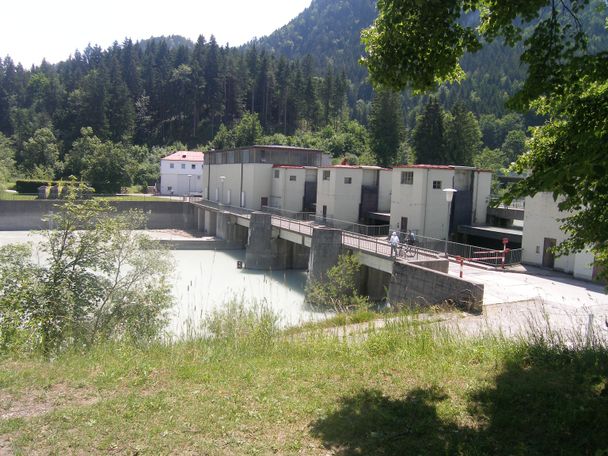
(541, 220)
(418, 286)
(384, 190)
(481, 196)
(287, 193)
(28, 215)
(342, 199)
(424, 206)
(256, 183)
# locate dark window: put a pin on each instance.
(276, 173)
(193, 166)
(183, 166)
(326, 175)
(437, 184)
(407, 177)
(292, 178)
(171, 165)
(348, 180)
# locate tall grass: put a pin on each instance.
(247, 387)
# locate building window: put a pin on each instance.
(276, 173)
(407, 177)
(183, 166)
(326, 175)
(169, 188)
(171, 165)
(348, 180)
(292, 178)
(193, 166)
(437, 184)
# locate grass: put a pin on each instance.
(404, 389)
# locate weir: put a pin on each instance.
(276, 243)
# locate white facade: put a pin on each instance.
(181, 173)
(340, 188)
(241, 184)
(541, 230)
(418, 202)
(289, 185)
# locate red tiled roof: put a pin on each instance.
(427, 166)
(187, 155)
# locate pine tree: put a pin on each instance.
(462, 136)
(428, 136)
(386, 127)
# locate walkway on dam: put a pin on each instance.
(367, 244)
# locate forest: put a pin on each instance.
(108, 115)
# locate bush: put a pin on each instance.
(339, 291)
(100, 280)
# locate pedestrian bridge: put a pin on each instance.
(275, 242)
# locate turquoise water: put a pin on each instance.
(205, 280)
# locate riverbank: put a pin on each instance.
(408, 388)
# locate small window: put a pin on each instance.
(171, 165)
(276, 173)
(407, 177)
(348, 180)
(183, 166)
(169, 188)
(437, 184)
(193, 166)
(292, 178)
(326, 175)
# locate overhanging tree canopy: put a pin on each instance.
(419, 43)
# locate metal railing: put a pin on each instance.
(457, 249)
(14, 196)
(377, 242)
(305, 216)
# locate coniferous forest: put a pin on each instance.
(108, 115)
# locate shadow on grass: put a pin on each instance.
(544, 402)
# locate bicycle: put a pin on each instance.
(407, 251)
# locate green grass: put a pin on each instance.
(405, 389)
(16, 196)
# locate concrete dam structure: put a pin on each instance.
(274, 242)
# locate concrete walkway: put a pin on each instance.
(537, 300)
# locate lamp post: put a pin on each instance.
(189, 177)
(449, 195)
(222, 179)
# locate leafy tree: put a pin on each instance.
(248, 131)
(338, 290)
(100, 281)
(386, 127)
(84, 147)
(418, 44)
(428, 138)
(41, 150)
(462, 136)
(492, 159)
(514, 145)
(106, 170)
(7, 161)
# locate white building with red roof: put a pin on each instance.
(418, 202)
(181, 173)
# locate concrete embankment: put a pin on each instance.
(31, 215)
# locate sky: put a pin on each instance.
(53, 29)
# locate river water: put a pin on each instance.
(204, 281)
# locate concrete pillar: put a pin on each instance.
(375, 283)
(210, 222)
(300, 255)
(259, 250)
(200, 220)
(325, 249)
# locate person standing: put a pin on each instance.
(394, 241)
